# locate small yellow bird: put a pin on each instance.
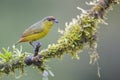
(38, 30)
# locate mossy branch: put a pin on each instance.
(79, 33)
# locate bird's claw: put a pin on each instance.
(38, 44)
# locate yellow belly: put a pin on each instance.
(36, 36)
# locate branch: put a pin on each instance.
(79, 33)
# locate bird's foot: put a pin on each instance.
(32, 44)
(37, 44)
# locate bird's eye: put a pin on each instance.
(49, 19)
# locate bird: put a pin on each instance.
(38, 30)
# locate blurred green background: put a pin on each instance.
(17, 15)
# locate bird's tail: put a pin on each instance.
(17, 42)
(20, 40)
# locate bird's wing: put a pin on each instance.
(33, 29)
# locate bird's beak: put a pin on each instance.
(56, 21)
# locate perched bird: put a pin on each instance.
(38, 30)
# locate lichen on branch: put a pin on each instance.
(79, 33)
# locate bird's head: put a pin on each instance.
(49, 21)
